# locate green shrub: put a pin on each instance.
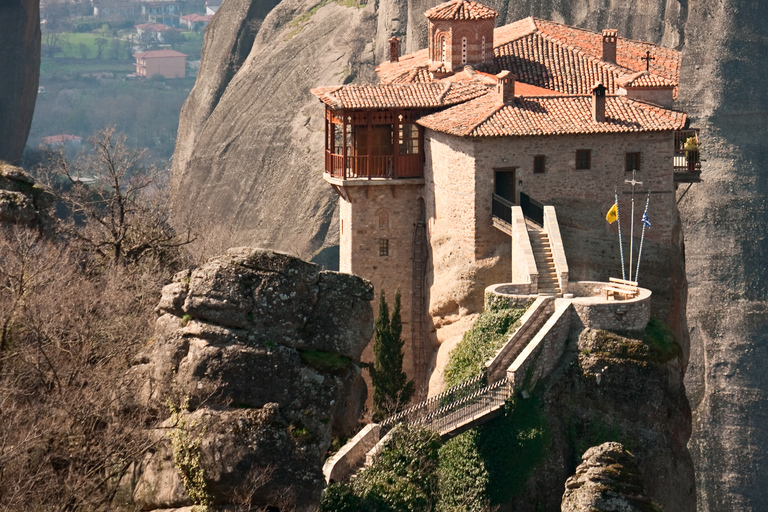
(489, 333)
(462, 477)
(324, 361)
(661, 340)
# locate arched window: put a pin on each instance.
(483, 48)
(463, 50)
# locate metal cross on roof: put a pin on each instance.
(647, 59)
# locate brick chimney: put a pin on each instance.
(505, 86)
(598, 103)
(609, 45)
(394, 49)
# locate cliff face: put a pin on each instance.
(257, 157)
(20, 62)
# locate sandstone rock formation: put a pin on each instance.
(621, 388)
(256, 351)
(22, 200)
(20, 62)
(608, 480)
(248, 153)
(269, 133)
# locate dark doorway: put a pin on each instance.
(504, 183)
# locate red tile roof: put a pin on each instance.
(645, 79)
(431, 95)
(158, 54)
(550, 115)
(461, 10)
(558, 57)
(417, 75)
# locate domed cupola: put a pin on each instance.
(460, 34)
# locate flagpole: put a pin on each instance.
(632, 228)
(621, 244)
(642, 237)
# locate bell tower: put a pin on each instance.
(460, 34)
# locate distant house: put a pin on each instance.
(166, 63)
(172, 20)
(211, 6)
(114, 9)
(64, 139)
(156, 30)
(193, 21)
(156, 7)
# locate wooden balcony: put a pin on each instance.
(687, 159)
(366, 145)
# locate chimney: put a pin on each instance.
(394, 49)
(505, 86)
(609, 45)
(598, 103)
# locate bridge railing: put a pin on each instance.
(431, 405)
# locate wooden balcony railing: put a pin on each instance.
(375, 166)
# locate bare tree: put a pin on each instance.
(101, 43)
(119, 206)
(54, 41)
(174, 38)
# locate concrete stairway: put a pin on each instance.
(545, 262)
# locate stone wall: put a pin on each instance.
(372, 213)
(561, 182)
(625, 315)
(524, 269)
(542, 354)
(345, 461)
(552, 228)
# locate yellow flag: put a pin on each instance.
(613, 214)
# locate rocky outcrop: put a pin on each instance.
(608, 480)
(20, 62)
(618, 388)
(256, 355)
(22, 200)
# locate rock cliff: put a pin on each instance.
(255, 356)
(257, 155)
(609, 480)
(20, 62)
(22, 200)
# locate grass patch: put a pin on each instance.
(480, 343)
(324, 361)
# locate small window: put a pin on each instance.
(463, 50)
(483, 48)
(539, 164)
(409, 139)
(632, 162)
(583, 159)
(442, 44)
(383, 247)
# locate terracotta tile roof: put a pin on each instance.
(193, 18)
(558, 57)
(417, 75)
(550, 115)
(645, 79)
(398, 95)
(58, 139)
(461, 10)
(156, 54)
(472, 76)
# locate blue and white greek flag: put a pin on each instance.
(646, 220)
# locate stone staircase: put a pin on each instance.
(545, 263)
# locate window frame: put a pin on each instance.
(543, 164)
(579, 161)
(383, 247)
(637, 157)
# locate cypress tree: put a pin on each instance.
(391, 388)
